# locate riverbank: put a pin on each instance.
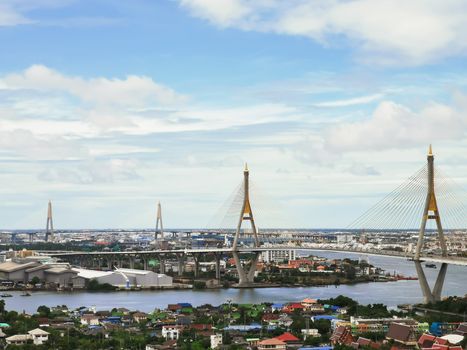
(391, 293)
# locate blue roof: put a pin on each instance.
(247, 327)
(185, 304)
(324, 317)
(277, 305)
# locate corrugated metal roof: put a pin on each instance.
(88, 274)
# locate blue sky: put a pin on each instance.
(107, 108)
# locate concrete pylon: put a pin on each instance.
(245, 278)
(49, 228)
(159, 227)
(431, 212)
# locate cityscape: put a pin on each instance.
(339, 125)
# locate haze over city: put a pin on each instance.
(108, 109)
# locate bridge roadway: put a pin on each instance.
(375, 252)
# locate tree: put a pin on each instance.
(43, 310)
(35, 280)
(94, 285)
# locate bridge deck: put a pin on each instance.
(401, 255)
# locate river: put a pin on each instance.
(389, 293)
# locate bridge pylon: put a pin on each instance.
(245, 278)
(431, 212)
(159, 227)
(49, 227)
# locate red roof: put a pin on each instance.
(201, 327)
(426, 340)
(441, 341)
(270, 317)
(272, 341)
(296, 306)
(287, 337)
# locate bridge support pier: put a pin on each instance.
(431, 212)
(162, 265)
(218, 267)
(251, 272)
(132, 262)
(245, 278)
(196, 266)
(181, 264)
(430, 295)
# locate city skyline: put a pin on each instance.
(106, 110)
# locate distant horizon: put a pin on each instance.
(226, 229)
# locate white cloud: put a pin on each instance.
(10, 17)
(100, 106)
(20, 12)
(133, 91)
(383, 31)
(25, 145)
(350, 102)
(395, 126)
(92, 172)
(223, 13)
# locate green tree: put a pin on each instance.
(43, 310)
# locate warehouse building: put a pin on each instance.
(123, 278)
(56, 275)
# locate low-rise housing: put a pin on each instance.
(272, 344)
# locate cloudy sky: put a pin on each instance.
(106, 108)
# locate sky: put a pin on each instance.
(107, 107)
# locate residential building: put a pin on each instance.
(310, 332)
(278, 256)
(402, 334)
(171, 332)
(341, 335)
(18, 339)
(90, 320)
(39, 336)
(272, 344)
(216, 341)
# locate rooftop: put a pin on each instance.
(10, 266)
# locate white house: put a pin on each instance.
(89, 320)
(216, 341)
(171, 332)
(311, 332)
(39, 336)
(18, 339)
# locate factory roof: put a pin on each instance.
(11, 266)
(88, 274)
(134, 271)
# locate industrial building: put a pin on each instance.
(56, 275)
(123, 278)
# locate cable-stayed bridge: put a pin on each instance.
(422, 198)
